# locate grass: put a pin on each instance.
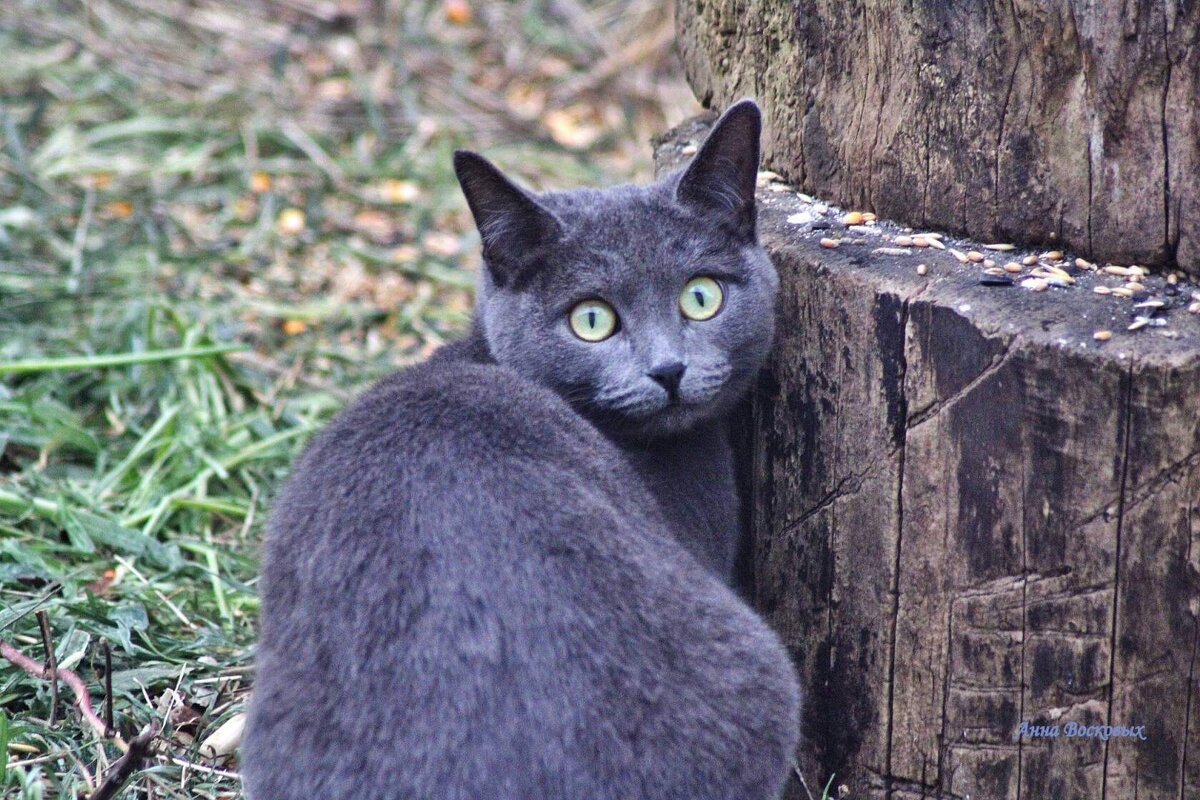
(219, 221)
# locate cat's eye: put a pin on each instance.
(593, 320)
(701, 298)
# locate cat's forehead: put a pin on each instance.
(629, 224)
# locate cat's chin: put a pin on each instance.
(669, 420)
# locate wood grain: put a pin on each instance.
(967, 513)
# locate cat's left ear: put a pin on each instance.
(722, 176)
(511, 222)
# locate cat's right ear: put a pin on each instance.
(511, 222)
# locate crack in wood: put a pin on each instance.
(937, 406)
(1127, 433)
(902, 446)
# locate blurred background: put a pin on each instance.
(218, 221)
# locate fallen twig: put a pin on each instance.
(51, 667)
(126, 765)
(82, 699)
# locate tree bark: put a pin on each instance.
(1040, 121)
(968, 513)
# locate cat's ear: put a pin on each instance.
(722, 176)
(511, 222)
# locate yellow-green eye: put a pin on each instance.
(593, 320)
(701, 298)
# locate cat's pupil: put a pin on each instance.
(699, 295)
(591, 319)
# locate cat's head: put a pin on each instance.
(649, 308)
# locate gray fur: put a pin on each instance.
(478, 583)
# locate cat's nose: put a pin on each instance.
(668, 375)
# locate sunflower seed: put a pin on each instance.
(1053, 255)
(922, 269)
(902, 241)
(1084, 264)
(1102, 336)
(920, 241)
(830, 242)
(1102, 290)
(1113, 269)
(988, 263)
(854, 218)
(975, 256)
(1029, 261)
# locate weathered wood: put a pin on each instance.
(1070, 121)
(968, 513)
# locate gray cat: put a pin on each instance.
(503, 573)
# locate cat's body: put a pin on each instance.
(502, 573)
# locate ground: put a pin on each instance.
(218, 221)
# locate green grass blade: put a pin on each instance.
(116, 359)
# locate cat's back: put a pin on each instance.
(467, 593)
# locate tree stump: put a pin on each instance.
(1035, 120)
(968, 513)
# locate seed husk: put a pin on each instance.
(1102, 290)
(1102, 336)
(892, 251)
(960, 255)
(995, 271)
(936, 243)
(854, 218)
(988, 263)
(826, 242)
(1138, 323)
(934, 235)
(1002, 248)
(1113, 269)
(766, 176)
(1135, 286)
(1060, 273)
(975, 256)
(868, 216)
(1121, 291)
(903, 241)
(1150, 304)
(1035, 284)
(1029, 261)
